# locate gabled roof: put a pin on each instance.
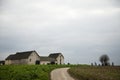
(55, 55)
(46, 58)
(20, 55)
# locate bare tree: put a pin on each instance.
(104, 60)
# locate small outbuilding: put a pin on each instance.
(2, 62)
(46, 60)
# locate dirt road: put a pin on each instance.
(60, 74)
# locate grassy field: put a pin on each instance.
(95, 73)
(27, 72)
(42, 72)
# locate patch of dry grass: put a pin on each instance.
(95, 73)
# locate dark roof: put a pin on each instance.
(54, 55)
(46, 58)
(19, 55)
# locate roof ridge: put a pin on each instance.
(20, 55)
(26, 51)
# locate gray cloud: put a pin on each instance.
(82, 30)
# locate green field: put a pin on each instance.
(27, 72)
(95, 73)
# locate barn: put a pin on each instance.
(59, 58)
(27, 57)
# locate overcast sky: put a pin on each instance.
(82, 30)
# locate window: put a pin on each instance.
(30, 60)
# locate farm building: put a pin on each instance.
(59, 58)
(54, 58)
(32, 57)
(28, 57)
(46, 60)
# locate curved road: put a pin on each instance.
(60, 74)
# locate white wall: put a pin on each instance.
(44, 62)
(33, 58)
(58, 59)
(7, 62)
(22, 61)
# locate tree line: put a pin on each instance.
(104, 59)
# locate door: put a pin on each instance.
(37, 62)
